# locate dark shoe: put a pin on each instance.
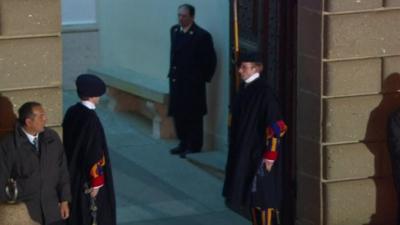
(187, 151)
(177, 150)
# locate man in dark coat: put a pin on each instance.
(33, 156)
(88, 158)
(253, 170)
(192, 65)
(393, 132)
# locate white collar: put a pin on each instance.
(187, 29)
(89, 104)
(252, 78)
(30, 136)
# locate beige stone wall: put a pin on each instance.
(349, 65)
(30, 58)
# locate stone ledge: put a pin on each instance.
(133, 82)
(135, 92)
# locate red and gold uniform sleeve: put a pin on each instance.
(274, 133)
(97, 173)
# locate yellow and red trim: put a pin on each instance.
(97, 173)
(273, 134)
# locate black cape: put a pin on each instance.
(85, 144)
(254, 109)
(393, 131)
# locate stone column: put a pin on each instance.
(30, 57)
(348, 77)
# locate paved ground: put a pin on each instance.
(153, 187)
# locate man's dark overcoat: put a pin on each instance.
(42, 177)
(192, 65)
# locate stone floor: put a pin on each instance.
(153, 187)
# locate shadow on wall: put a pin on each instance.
(216, 107)
(7, 116)
(375, 140)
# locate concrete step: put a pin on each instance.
(212, 162)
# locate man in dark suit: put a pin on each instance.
(33, 156)
(192, 65)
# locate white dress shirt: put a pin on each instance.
(31, 137)
(252, 78)
(89, 104)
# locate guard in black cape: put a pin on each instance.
(88, 158)
(192, 65)
(393, 132)
(253, 170)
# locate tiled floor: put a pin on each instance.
(153, 187)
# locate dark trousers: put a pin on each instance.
(189, 132)
(398, 206)
(396, 180)
(61, 222)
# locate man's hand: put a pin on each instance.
(64, 209)
(94, 192)
(268, 164)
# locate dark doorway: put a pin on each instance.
(269, 27)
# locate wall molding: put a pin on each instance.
(80, 27)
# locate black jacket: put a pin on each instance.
(42, 178)
(192, 64)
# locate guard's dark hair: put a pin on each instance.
(26, 111)
(190, 8)
(83, 98)
(260, 66)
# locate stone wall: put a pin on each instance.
(348, 77)
(30, 58)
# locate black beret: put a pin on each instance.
(89, 85)
(253, 57)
